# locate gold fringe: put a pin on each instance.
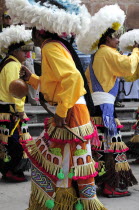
(25, 136)
(65, 199)
(46, 164)
(84, 170)
(100, 165)
(122, 167)
(4, 138)
(117, 121)
(93, 204)
(5, 116)
(38, 194)
(135, 139)
(118, 146)
(63, 134)
(99, 121)
(2, 152)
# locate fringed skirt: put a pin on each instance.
(12, 131)
(133, 144)
(113, 167)
(63, 170)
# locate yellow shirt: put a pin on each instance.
(134, 77)
(109, 64)
(60, 81)
(9, 73)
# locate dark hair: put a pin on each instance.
(103, 39)
(11, 49)
(77, 62)
(15, 46)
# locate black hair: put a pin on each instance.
(15, 46)
(77, 62)
(11, 48)
(103, 39)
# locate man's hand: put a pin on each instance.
(59, 121)
(25, 73)
(135, 45)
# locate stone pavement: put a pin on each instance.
(15, 196)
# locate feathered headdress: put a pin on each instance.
(128, 39)
(55, 16)
(14, 37)
(107, 17)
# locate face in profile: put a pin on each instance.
(20, 54)
(113, 41)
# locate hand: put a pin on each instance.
(135, 45)
(59, 121)
(25, 73)
(21, 115)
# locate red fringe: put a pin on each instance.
(38, 165)
(85, 177)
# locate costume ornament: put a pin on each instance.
(128, 39)
(56, 16)
(110, 16)
(14, 35)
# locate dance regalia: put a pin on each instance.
(63, 170)
(12, 129)
(133, 144)
(114, 170)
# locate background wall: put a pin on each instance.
(131, 8)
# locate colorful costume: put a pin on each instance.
(12, 129)
(62, 167)
(58, 157)
(127, 41)
(106, 65)
(114, 170)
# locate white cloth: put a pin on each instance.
(102, 98)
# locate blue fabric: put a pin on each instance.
(107, 109)
(71, 8)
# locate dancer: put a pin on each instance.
(62, 167)
(115, 175)
(13, 128)
(127, 41)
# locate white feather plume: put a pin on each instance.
(14, 34)
(53, 19)
(127, 40)
(100, 22)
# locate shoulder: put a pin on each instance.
(52, 46)
(12, 65)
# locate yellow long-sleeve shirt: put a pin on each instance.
(109, 64)
(9, 73)
(134, 77)
(60, 81)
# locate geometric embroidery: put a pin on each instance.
(121, 157)
(98, 155)
(42, 181)
(88, 191)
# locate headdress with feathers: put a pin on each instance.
(128, 39)
(14, 37)
(110, 16)
(55, 16)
